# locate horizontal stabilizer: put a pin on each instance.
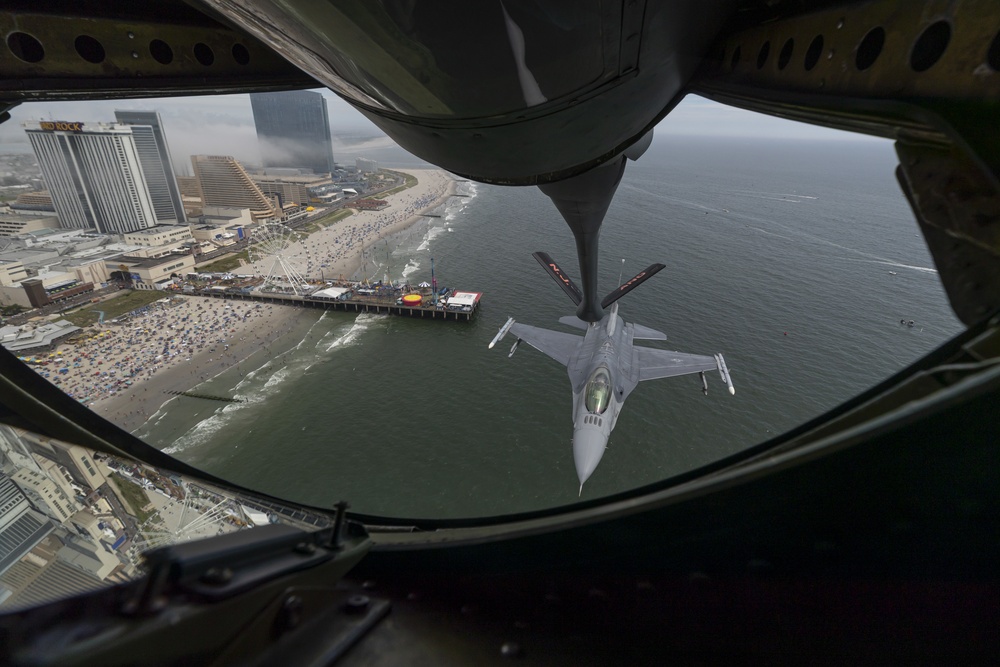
(572, 291)
(640, 332)
(574, 321)
(630, 285)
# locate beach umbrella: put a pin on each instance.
(424, 284)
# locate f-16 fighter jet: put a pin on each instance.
(604, 365)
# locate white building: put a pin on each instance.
(94, 175)
(365, 165)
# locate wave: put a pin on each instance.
(410, 268)
(431, 234)
(363, 322)
(889, 262)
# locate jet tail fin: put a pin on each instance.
(631, 284)
(572, 291)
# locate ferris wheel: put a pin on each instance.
(277, 255)
(181, 521)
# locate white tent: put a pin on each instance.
(463, 299)
(332, 292)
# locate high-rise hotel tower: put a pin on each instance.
(154, 157)
(293, 130)
(94, 175)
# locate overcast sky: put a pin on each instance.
(223, 124)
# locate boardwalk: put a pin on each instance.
(357, 304)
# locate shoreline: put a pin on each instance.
(282, 326)
(334, 252)
(131, 410)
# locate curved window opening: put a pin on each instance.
(240, 368)
(993, 54)
(598, 392)
(813, 53)
(786, 53)
(89, 49)
(870, 48)
(765, 50)
(930, 46)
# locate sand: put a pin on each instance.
(335, 251)
(176, 346)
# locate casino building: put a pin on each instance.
(154, 156)
(94, 175)
(293, 130)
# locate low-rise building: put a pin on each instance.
(34, 339)
(12, 224)
(12, 272)
(150, 272)
(160, 240)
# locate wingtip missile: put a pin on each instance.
(724, 373)
(503, 332)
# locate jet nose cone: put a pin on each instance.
(588, 448)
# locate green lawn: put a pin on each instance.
(134, 495)
(408, 182)
(118, 305)
(228, 263)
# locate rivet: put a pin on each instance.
(135, 54)
(356, 604)
(131, 35)
(510, 649)
(368, 584)
(307, 548)
(217, 576)
(413, 596)
(699, 580)
(291, 612)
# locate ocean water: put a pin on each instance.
(795, 259)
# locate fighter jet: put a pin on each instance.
(604, 365)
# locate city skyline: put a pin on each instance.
(223, 124)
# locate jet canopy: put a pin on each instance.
(598, 391)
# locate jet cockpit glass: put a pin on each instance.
(419, 58)
(598, 392)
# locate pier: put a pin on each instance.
(358, 304)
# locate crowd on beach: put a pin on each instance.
(325, 254)
(146, 341)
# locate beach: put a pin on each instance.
(335, 251)
(126, 370)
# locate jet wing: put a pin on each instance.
(655, 364)
(573, 321)
(560, 346)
